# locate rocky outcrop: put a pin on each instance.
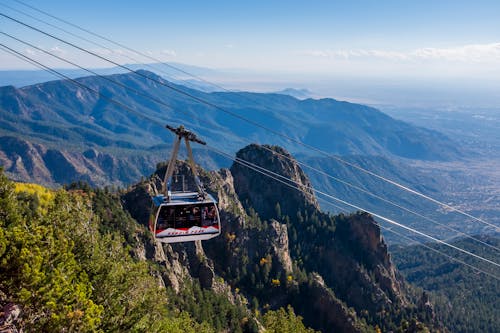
(24, 160)
(426, 307)
(278, 233)
(277, 247)
(364, 274)
(362, 234)
(263, 193)
(228, 199)
(325, 308)
(243, 243)
(175, 264)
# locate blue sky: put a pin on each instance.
(357, 39)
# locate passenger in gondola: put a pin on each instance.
(162, 223)
(205, 218)
(212, 214)
(194, 217)
(182, 218)
(166, 218)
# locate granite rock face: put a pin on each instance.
(337, 274)
(264, 193)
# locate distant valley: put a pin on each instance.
(476, 128)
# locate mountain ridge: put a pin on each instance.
(65, 107)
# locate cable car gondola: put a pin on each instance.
(183, 216)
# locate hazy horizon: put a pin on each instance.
(411, 54)
(380, 92)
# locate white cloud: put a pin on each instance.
(473, 52)
(466, 53)
(390, 55)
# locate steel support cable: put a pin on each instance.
(303, 164)
(274, 176)
(479, 270)
(256, 124)
(104, 77)
(240, 161)
(381, 198)
(91, 41)
(109, 40)
(263, 146)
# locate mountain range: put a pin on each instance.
(61, 109)
(58, 132)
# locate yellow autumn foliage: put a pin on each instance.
(45, 196)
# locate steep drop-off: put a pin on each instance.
(278, 249)
(82, 259)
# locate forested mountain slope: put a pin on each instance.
(81, 258)
(278, 249)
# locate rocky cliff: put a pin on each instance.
(277, 249)
(264, 194)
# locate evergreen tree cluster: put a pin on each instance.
(466, 300)
(69, 275)
(66, 258)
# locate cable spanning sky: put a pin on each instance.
(295, 35)
(61, 49)
(449, 40)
